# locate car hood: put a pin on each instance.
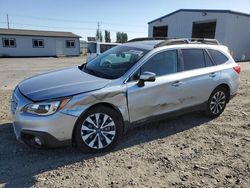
(60, 83)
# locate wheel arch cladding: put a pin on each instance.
(103, 104)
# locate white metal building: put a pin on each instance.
(17, 43)
(228, 27)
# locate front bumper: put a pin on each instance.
(53, 130)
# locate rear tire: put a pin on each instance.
(98, 130)
(216, 102)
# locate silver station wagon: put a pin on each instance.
(93, 105)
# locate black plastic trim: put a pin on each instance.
(48, 141)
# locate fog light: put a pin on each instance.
(37, 141)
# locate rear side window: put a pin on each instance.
(193, 59)
(162, 63)
(208, 60)
(218, 57)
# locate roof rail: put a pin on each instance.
(187, 41)
(172, 42)
(205, 41)
(150, 38)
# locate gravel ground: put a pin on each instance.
(188, 151)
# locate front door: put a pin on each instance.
(59, 48)
(158, 97)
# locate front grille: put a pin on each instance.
(14, 103)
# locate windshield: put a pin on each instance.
(115, 62)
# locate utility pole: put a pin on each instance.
(8, 21)
(98, 25)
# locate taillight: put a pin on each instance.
(237, 69)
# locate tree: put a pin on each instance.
(107, 36)
(124, 37)
(121, 37)
(99, 36)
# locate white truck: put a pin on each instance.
(96, 48)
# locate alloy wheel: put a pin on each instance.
(218, 102)
(98, 130)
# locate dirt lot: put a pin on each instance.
(188, 151)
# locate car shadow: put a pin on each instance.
(19, 164)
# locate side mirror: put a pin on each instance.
(146, 77)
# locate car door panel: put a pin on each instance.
(197, 86)
(154, 98)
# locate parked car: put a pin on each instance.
(94, 104)
(96, 48)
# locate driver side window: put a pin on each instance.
(163, 63)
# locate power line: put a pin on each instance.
(70, 28)
(76, 21)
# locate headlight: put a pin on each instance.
(45, 108)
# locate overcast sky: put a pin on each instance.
(81, 16)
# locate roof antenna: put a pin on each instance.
(8, 20)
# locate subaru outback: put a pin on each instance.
(93, 105)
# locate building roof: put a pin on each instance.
(201, 10)
(23, 32)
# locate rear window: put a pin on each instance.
(193, 59)
(218, 57)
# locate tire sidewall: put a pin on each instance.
(81, 145)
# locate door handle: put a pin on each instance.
(176, 84)
(212, 75)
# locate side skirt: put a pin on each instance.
(157, 118)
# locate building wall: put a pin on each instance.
(231, 30)
(24, 46)
(237, 37)
(181, 24)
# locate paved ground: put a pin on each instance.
(188, 151)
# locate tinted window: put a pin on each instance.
(208, 60)
(162, 63)
(193, 59)
(218, 57)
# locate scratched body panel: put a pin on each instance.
(114, 95)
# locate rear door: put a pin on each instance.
(198, 78)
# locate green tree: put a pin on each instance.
(107, 36)
(124, 37)
(99, 36)
(118, 37)
(121, 37)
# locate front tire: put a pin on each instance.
(216, 102)
(98, 130)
